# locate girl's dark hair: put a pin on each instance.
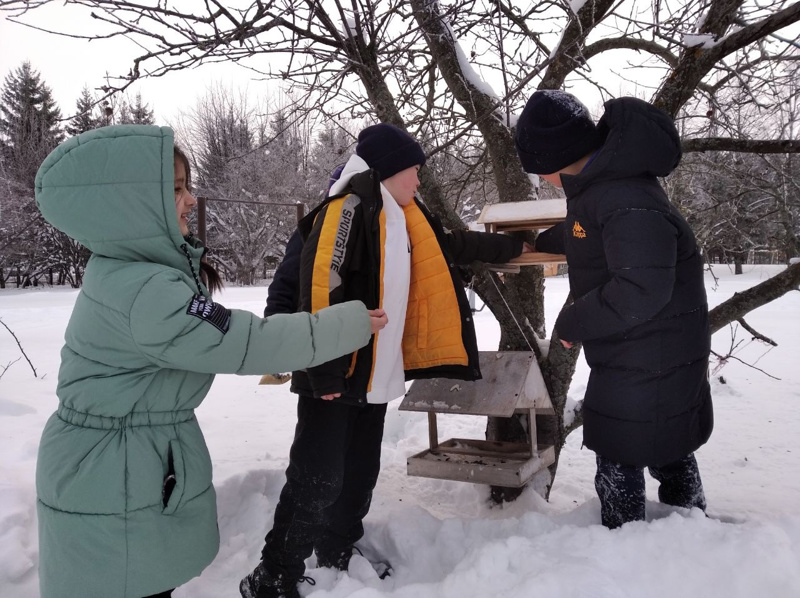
(181, 155)
(210, 276)
(208, 273)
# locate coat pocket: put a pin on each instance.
(174, 482)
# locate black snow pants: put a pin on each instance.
(333, 467)
(622, 492)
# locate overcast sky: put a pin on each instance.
(67, 64)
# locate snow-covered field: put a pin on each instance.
(442, 538)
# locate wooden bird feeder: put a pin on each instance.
(525, 216)
(511, 383)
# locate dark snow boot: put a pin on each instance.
(260, 583)
(341, 562)
(680, 484)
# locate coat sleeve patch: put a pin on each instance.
(215, 314)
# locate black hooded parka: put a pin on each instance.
(640, 307)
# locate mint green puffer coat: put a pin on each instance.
(134, 366)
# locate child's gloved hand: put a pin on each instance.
(275, 378)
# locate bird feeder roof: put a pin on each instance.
(511, 382)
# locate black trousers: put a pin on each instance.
(166, 594)
(622, 492)
(333, 467)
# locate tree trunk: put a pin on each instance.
(516, 300)
(738, 260)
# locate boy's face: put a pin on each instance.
(554, 179)
(403, 185)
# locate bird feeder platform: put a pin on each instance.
(525, 216)
(512, 383)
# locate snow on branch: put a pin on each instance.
(576, 5)
(567, 54)
(705, 41)
(469, 74)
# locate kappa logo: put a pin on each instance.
(578, 231)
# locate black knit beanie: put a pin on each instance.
(554, 131)
(388, 149)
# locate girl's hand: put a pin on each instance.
(377, 319)
(527, 248)
(331, 397)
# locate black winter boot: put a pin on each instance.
(680, 484)
(621, 491)
(260, 583)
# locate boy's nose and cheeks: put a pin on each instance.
(403, 185)
(554, 179)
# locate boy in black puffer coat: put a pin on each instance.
(640, 310)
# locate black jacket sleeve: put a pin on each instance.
(641, 252)
(283, 292)
(467, 246)
(551, 240)
(325, 261)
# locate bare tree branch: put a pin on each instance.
(695, 63)
(11, 332)
(742, 303)
(756, 334)
(4, 368)
(752, 146)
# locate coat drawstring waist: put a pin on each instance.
(131, 420)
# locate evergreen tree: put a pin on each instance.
(135, 113)
(332, 147)
(84, 119)
(226, 134)
(29, 123)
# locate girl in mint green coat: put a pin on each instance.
(125, 503)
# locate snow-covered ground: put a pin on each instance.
(442, 538)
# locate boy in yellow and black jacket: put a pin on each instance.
(371, 239)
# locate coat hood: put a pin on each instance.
(356, 177)
(641, 140)
(354, 165)
(112, 190)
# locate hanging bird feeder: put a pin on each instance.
(512, 383)
(525, 216)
